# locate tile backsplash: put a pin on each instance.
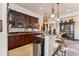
(17, 30)
(22, 29)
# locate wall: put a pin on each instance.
(26, 11)
(3, 34)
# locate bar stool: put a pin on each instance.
(60, 50)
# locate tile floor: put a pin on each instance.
(26, 50)
(73, 47)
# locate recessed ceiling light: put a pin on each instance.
(68, 10)
(41, 8)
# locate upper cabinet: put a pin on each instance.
(11, 18)
(19, 20)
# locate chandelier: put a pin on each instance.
(45, 18)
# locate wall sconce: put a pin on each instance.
(58, 12)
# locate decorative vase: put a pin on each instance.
(54, 32)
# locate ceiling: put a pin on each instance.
(41, 8)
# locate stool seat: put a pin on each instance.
(58, 41)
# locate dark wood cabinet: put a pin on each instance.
(43, 27)
(11, 18)
(10, 41)
(68, 28)
(20, 40)
(18, 20)
(26, 21)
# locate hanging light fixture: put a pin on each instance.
(52, 15)
(45, 19)
(58, 12)
(7, 7)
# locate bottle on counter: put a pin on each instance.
(49, 31)
(54, 32)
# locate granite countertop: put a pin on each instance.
(22, 33)
(39, 36)
(14, 34)
(61, 33)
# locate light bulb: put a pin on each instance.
(58, 19)
(52, 15)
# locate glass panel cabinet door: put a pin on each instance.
(72, 29)
(11, 18)
(62, 28)
(68, 28)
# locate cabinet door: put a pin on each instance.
(21, 40)
(19, 20)
(26, 39)
(10, 42)
(30, 38)
(35, 22)
(15, 42)
(11, 18)
(62, 27)
(29, 21)
(25, 20)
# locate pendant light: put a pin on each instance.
(45, 19)
(58, 12)
(52, 15)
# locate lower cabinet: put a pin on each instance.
(11, 42)
(20, 40)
